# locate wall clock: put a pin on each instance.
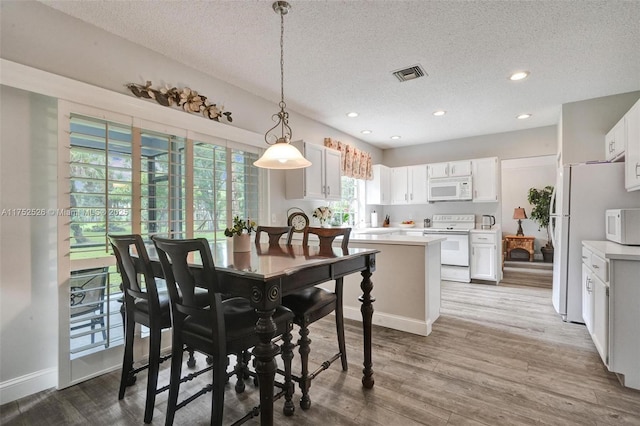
(298, 220)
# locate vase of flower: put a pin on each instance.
(241, 234)
(241, 243)
(323, 214)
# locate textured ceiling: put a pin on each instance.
(339, 56)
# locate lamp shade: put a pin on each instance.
(282, 156)
(519, 213)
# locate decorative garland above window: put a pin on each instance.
(355, 163)
(187, 99)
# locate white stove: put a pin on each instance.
(454, 251)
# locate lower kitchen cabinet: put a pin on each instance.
(611, 306)
(484, 263)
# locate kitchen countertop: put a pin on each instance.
(611, 250)
(407, 240)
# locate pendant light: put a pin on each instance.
(281, 154)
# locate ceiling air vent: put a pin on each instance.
(410, 73)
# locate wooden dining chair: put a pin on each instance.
(275, 233)
(225, 327)
(146, 304)
(311, 304)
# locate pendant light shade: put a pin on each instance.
(281, 154)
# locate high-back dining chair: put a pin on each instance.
(146, 304)
(223, 328)
(87, 290)
(311, 304)
(275, 233)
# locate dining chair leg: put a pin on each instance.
(154, 371)
(174, 379)
(304, 348)
(217, 400)
(126, 377)
(287, 357)
(241, 367)
(340, 325)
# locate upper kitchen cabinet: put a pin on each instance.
(378, 190)
(409, 185)
(450, 169)
(614, 142)
(632, 146)
(485, 179)
(321, 180)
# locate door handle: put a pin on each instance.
(637, 167)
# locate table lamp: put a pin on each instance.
(519, 214)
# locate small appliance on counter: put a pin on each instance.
(427, 223)
(622, 226)
(488, 221)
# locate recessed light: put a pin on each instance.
(520, 75)
(395, 137)
(523, 116)
(365, 132)
(439, 113)
(352, 114)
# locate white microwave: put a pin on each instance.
(623, 226)
(449, 189)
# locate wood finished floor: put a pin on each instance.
(498, 355)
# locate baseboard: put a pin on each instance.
(396, 322)
(28, 384)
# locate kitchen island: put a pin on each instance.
(406, 282)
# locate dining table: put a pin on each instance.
(266, 273)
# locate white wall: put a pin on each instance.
(585, 123)
(517, 144)
(518, 175)
(28, 258)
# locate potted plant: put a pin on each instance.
(241, 233)
(540, 199)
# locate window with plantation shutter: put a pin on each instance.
(244, 184)
(162, 183)
(100, 184)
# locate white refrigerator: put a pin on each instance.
(582, 194)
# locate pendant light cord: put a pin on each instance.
(282, 104)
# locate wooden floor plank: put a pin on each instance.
(498, 355)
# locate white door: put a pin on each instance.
(399, 184)
(460, 168)
(314, 174)
(438, 170)
(483, 261)
(600, 332)
(418, 184)
(485, 180)
(455, 250)
(332, 174)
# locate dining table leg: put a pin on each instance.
(367, 315)
(265, 353)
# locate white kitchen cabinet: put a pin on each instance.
(485, 179)
(587, 297)
(632, 147)
(450, 169)
(409, 185)
(614, 142)
(378, 190)
(321, 180)
(484, 255)
(613, 270)
(595, 300)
